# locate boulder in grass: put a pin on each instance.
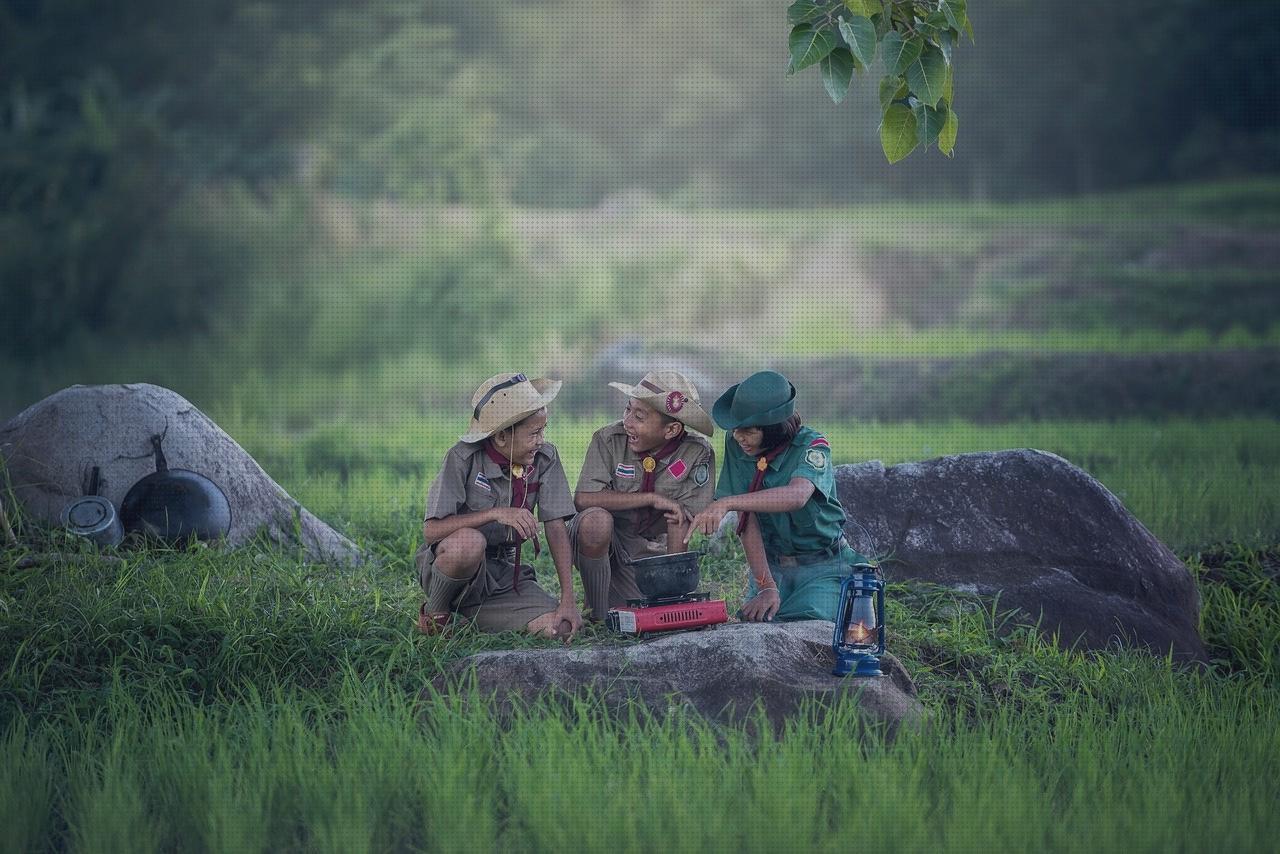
(722, 673)
(1027, 525)
(49, 448)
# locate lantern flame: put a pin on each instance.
(858, 633)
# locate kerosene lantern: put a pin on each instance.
(858, 641)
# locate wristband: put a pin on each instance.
(760, 590)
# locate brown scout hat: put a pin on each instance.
(504, 400)
(672, 394)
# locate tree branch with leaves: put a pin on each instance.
(915, 40)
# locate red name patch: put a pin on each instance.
(678, 469)
(820, 442)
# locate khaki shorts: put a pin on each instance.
(622, 578)
(489, 600)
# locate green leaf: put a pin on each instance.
(809, 45)
(803, 11)
(945, 43)
(947, 136)
(860, 33)
(898, 133)
(892, 89)
(929, 122)
(882, 24)
(864, 8)
(837, 72)
(949, 90)
(928, 76)
(899, 52)
(956, 14)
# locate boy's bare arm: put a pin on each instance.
(608, 499)
(519, 519)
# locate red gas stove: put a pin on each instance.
(665, 614)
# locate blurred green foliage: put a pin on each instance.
(174, 170)
(285, 203)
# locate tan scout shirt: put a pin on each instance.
(689, 479)
(470, 481)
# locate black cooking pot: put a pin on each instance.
(664, 576)
(175, 505)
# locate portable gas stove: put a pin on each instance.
(667, 613)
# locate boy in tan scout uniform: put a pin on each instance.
(476, 556)
(643, 479)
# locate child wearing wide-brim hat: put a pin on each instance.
(644, 477)
(777, 475)
(480, 518)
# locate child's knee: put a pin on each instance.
(461, 551)
(595, 528)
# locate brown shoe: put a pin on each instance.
(433, 622)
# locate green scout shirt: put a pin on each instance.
(470, 481)
(689, 479)
(815, 526)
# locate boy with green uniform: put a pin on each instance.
(779, 478)
(479, 518)
(643, 479)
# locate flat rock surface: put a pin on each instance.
(1027, 525)
(720, 673)
(49, 448)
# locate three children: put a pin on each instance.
(646, 487)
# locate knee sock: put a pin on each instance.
(442, 590)
(596, 576)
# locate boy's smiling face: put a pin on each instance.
(647, 430)
(521, 443)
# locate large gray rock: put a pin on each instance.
(720, 673)
(49, 447)
(1031, 527)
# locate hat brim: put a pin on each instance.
(691, 414)
(547, 391)
(722, 411)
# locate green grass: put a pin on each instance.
(1192, 482)
(209, 702)
(418, 317)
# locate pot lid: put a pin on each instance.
(89, 514)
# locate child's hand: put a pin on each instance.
(707, 521)
(674, 512)
(519, 519)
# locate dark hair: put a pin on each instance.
(783, 431)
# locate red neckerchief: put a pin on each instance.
(521, 488)
(762, 463)
(663, 453)
(651, 477)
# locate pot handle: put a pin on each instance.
(93, 482)
(161, 464)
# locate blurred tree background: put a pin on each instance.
(298, 189)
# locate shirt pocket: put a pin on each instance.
(481, 497)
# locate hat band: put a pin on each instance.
(488, 395)
(653, 388)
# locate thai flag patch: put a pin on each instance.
(627, 470)
(483, 482)
(678, 469)
(820, 442)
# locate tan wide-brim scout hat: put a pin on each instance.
(504, 400)
(673, 395)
